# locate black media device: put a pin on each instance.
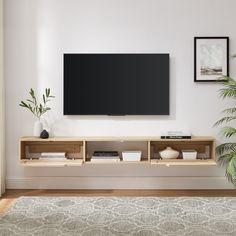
(105, 153)
(116, 84)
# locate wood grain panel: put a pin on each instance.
(54, 147)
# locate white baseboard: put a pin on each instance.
(118, 183)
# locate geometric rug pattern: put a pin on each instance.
(120, 216)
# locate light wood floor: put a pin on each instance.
(11, 195)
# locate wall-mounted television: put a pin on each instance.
(116, 84)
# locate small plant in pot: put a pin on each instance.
(38, 109)
(227, 151)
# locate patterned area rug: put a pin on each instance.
(118, 216)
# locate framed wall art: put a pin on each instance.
(211, 58)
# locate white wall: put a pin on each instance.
(38, 32)
(2, 114)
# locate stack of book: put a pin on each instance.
(176, 135)
(52, 156)
(105, 156)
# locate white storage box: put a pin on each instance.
(189, 154)
(131, 155)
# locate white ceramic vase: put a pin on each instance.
(38, 128)
(169, 153)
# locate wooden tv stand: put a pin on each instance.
(80, 149)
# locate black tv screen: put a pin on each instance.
(116, 84)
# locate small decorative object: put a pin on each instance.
(169, 153)
(211, 58)
(189, 154)
(44, 134)
(131, 155)
(38, 109)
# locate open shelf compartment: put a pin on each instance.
(205, 148)
(31, 150)
(120, 146)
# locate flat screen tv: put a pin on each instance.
(116, 84)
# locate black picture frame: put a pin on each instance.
(211, 58)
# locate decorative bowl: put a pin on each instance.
(169, 153)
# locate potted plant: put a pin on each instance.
(37, 108)
(227, 151)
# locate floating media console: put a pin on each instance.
(79, 150)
